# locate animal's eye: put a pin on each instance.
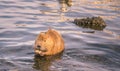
(45, 32)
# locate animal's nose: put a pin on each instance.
(38, 46)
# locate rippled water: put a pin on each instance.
(85, 49)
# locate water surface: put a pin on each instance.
(22, 20)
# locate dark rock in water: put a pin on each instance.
(96, 23)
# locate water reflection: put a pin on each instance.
(64, 4)
(44, 63)
(112, 7)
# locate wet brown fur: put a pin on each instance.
(51, 40)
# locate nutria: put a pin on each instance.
(49, 43)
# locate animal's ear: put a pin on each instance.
(42, 34)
